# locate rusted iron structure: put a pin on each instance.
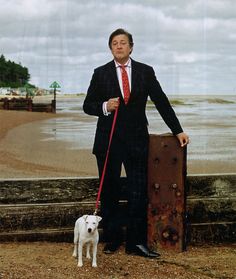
(166, 191)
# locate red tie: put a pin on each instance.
(125, 83)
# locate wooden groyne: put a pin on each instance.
(46, 209)
(27, 104)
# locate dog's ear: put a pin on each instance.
(99, 218)
(85, 217)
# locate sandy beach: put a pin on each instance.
(25, 152)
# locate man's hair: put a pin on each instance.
(121, 31)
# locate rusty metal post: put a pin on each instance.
(54, 100)
(30, 104)
(53, 106)
(6, 104)
(166, 192)
(54, 85)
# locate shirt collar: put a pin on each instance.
(127, 64)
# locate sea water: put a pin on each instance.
(210, 121)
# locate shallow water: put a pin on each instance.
(210, 122)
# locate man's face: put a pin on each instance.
(120, 48)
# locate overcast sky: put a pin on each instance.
(190, 43)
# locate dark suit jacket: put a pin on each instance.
(131, 124)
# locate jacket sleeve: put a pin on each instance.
(93, 101)
(162, 104)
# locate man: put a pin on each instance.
(125, 84)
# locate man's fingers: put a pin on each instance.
(113, 104)
(183, 139)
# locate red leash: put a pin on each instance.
(105, 164)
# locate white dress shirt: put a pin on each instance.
(119, 76)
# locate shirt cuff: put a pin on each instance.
(104, 109)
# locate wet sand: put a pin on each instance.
(25, 152)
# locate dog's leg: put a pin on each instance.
(88, 251)
(94, 262)
(76, 238)
(75, 252)
(80, 253)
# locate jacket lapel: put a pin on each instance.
(114, 79)
(134, 79)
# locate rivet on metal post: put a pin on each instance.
(156, 186)
(174, 160)
(166, 234)
(174, 186)
(164, 144)
(178, 193)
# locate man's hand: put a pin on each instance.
(183, 139)
(112, 104)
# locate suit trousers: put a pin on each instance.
(134, 159)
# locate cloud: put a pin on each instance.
(187, 42)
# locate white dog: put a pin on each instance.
(86, 231)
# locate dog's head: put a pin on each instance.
(91, 222)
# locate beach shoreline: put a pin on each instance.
(26, 152)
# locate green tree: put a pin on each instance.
(13, 74)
